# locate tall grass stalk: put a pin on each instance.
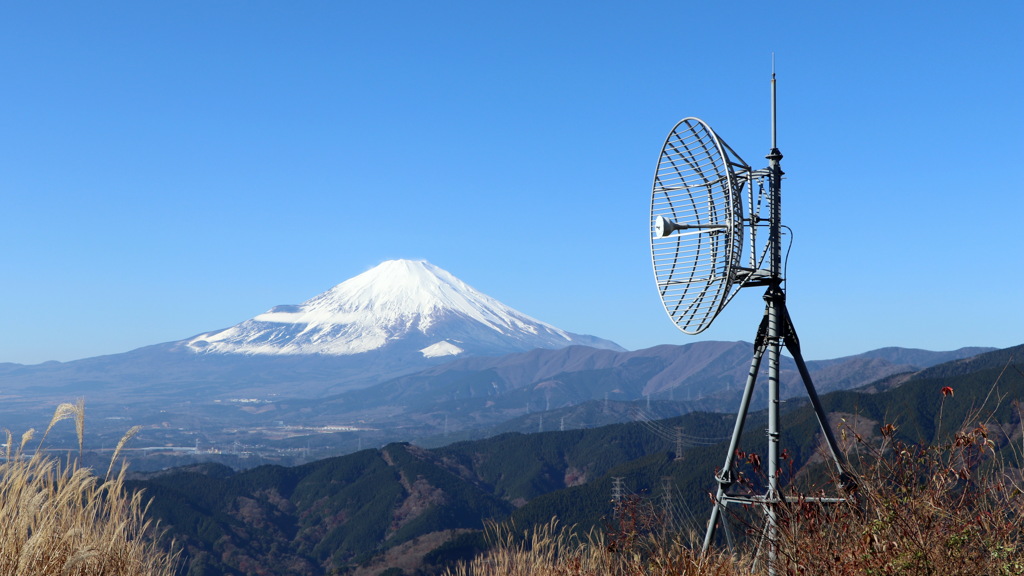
(58, 518)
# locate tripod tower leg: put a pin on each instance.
(793, 345)
(726, 475)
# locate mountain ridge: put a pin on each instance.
(481, 393)
(166, 386)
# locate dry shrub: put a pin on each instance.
(58, 518)
(948, 509)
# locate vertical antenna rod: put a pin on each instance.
(774, 143)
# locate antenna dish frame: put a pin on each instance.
(700, 180)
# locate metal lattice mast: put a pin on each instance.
(775, 301)
(668, 519)
(617, 494)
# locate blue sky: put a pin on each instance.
(169, 168)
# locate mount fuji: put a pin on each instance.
(400, 317)
(403, 307)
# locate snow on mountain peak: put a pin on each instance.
(399, 289)
(442, 348)
(397, 301)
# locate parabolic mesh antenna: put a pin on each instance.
(697, 224)
(716, 227)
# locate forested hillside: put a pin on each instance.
(335, 515)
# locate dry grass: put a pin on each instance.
(553, 550)
(58, 518)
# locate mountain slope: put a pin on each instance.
(402, 305)
(315, 519)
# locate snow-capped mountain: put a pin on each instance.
(401, 306)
